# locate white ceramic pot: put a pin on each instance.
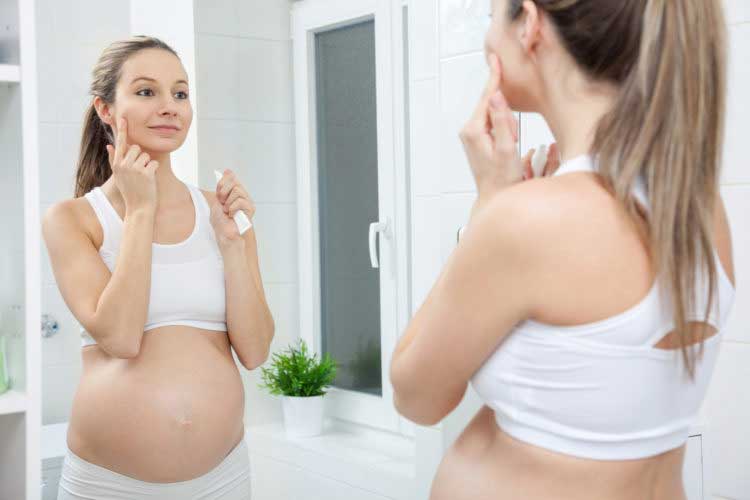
(303, 417)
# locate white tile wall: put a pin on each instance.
(461, 82)
(737, 11)
(267, 19)
(265, 80)
(217, 17)
(738, 106)
(534, 132)
(276, 230)
(423, 50)
(218, 74)
(425, 140)
(728, 410)
(736, 202)
(267, 154)
(264, 20)
(260, 150)
(463, 24)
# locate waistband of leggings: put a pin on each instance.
(234, 455)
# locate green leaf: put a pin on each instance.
(294, 372)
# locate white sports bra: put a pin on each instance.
(601, 390)
(187, 278)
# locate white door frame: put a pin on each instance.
(308, 18)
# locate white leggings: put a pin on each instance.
(230, 480)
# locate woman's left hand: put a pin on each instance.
(490, 139)
(230, 198)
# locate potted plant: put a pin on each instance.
(301, 380)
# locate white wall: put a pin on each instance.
(245, 115)
(447, 78)
(70, 38)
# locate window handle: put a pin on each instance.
(376, 227)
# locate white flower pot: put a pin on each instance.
(303, 417)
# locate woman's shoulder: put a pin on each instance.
(571, 218)
(551, 206)
(74, 214)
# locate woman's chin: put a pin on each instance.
(160, 147)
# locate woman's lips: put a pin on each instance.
(164, 129)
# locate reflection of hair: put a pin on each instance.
(669, 61)
(93, 161)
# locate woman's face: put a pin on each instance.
(510, 41)
(153, 92)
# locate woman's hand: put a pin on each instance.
(490, 139)
(553, 162)
(231, 197)
(133, 171)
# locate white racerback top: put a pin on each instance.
(601, 390)
(187, 278)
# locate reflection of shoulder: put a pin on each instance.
(85, 217)
(71, 215)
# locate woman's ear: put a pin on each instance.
(530, 26)
(103, 110)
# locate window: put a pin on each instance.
(350, 89)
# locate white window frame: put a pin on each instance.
(308, 18)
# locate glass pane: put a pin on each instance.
(348, 203)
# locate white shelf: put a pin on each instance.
(12, 402)
(10, 73)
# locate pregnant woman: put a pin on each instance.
(586, 307)
(156, 272)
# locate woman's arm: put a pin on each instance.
(481, 294)
(112, 307)
(249, 320)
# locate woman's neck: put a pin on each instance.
(573, 108)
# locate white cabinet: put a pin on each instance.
(19, 252)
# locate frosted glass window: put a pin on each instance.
(348, 203)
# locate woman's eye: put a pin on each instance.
(142, 90)
(183, 93)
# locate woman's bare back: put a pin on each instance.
(485, 463)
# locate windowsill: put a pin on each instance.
(366, 458)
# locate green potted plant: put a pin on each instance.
(301, 380)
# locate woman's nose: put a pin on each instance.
(168, 106)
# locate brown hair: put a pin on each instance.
(668, 59)
(93, 167)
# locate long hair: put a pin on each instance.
(668, 59)
(93, 167)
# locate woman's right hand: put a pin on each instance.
(133, 171)
(553, 162)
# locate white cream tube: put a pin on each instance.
(243, 223)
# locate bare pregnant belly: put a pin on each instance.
(484, 463)
(170, 414)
